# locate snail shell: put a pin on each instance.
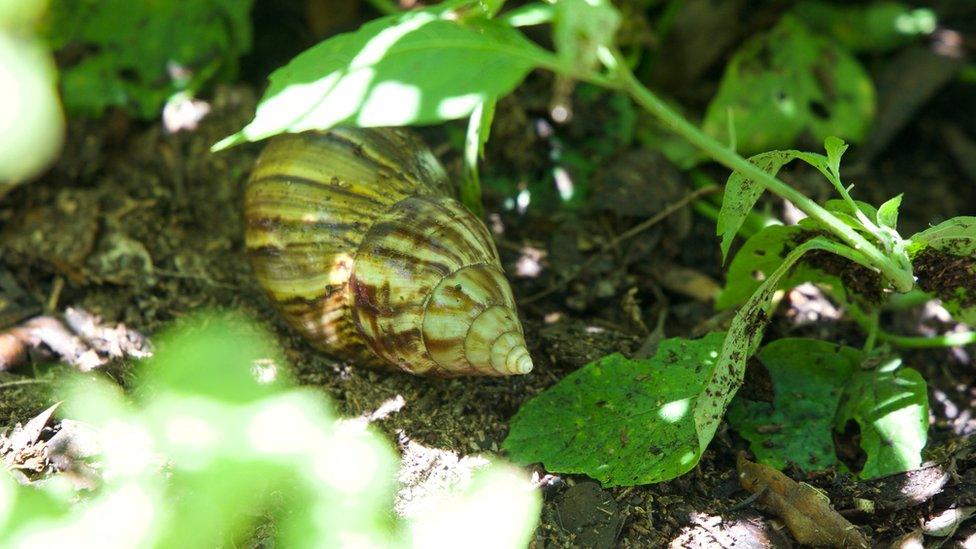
(356, 236)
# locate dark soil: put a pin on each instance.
(142, 228)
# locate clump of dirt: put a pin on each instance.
(947, 276)
(858, 280)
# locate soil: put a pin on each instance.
(142, 228)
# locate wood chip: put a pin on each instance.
(805, 510)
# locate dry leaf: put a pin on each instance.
(805, 510)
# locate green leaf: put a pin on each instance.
(835, 148)
(944, 259)
(956, 236)
(741, 193)
(479, 128)
(888, 213)
(529, 15)
(892, 411)
(838, 205)
(420, 67)
(786, 81)
(761, 255)
(581, 28)
(137, 54)
(808, 379)
(743, 338)
(623, 422)
(876, 27)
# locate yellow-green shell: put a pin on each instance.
(356, 236)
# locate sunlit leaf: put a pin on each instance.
(31, 123)
(892, 410)
(420, 67)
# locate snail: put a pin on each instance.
(357, 238)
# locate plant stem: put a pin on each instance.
(953, 339)
(627, 82)
(874, 327)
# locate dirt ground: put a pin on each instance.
(141, 227)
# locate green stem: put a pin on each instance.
(874, 328)
(627, 82)
(954, 339)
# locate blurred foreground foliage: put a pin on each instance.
(31, 124)
(214, 445)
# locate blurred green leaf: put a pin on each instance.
(621, 421)
(420, 67)
(808, 377)
(496, 510)
(786, 81)
(872, 27)
(581, 28)
(18, 15)
(219, 358)
(208, 451)
(137, 54)
(30, 114)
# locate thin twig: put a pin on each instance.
(22, 382)
(615, 242)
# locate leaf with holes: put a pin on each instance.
(788, 81)
(808, 378)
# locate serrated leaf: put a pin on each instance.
(621, 421)
(944, 260)
(835, 148)
(808, 379)
(892, 411)
(786, 81)
(888, 213)
(421, 67)
(741, 193)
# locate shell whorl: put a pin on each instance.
(357, 238)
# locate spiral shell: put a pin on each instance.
(357, 238)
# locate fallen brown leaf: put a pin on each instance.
(806, 512)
